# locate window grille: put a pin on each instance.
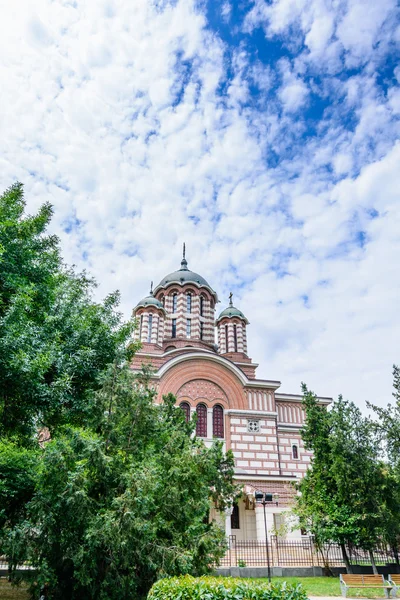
(253, 426)
(186, 409)
(201, 425)
(218, 421)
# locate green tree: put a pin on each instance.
(126, 502)
(389, 424)
(54, 339)
(348, 493)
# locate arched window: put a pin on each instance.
(141, 327)
(150, 328)
(226, 339)
(218, 421)
(173, 332)
(235, 337)
(201, 425)
(201, 330)
(189, 302)
(170, 348)
(201, 306)
(295, 452)
(174, 303)
(186, 409)
(162, 300)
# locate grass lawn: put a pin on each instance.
(329, 586)
(9, 592)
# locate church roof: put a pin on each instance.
(149, 300)
(184, 275)
(230, 312)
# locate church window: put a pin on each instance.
(235, 336)
(150, 328)
(218, 421)
(235, 523)
(188, 327)
(163, 300)
(141, 327)
(295, 452)
(186, 409)
(201, 306)
(253, 426)
(201, 330)
(174, 303)
(201, 425)
(189, 303)
(226, 339)
(173, 334)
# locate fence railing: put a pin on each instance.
(298, 553)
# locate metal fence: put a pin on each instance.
(297, 553)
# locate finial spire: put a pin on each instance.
(184, 261)
(230, 299)
(151, 288)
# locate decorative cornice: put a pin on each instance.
(250, 413)
(299, 398)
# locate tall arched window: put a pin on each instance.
(201, 425)
(189, 302)
(174, 302)
(202, 306)
(235, 337)
(141, 327)
(226, 339)
(173, 329)
(218, 421)
(295, 452)
(150, 328)
(186, 409)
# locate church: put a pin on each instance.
(178, 328)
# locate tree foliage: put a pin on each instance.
(117, 506)
(349, 496)
(54, 339)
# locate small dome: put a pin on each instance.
(230, 312)
(184, 275)
(149, 301)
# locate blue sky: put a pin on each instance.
(262, 133)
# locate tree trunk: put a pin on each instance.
(346, 561)
(374, 569)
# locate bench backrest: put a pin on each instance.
(395, 579)
(362, 579)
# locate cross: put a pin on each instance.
(230, 299)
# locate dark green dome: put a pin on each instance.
(149, 301)
(230, 312)
(182, 276)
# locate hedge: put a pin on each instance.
(223, 588)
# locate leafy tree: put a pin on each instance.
(348, 494)
(54, 339)
(389, 424)
(122, 504)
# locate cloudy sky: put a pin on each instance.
(264, 134)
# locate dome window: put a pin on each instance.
(174, 303)
(173, 333)
(150, 328)
(201, 330)
(202, 306)
(226, 338)
(141, 327)
(189, 302)
(188, 328)
(235, 338)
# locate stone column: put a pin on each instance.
(228, 525)
(209, 423)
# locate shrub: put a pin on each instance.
(223, 588)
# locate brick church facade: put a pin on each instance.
(177, 328)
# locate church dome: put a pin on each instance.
(182, 276)
(230, 312)
(149, 300)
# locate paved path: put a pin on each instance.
(326, 598)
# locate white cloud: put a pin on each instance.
(113, 113)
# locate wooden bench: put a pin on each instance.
(394, 580)
(363, 582)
